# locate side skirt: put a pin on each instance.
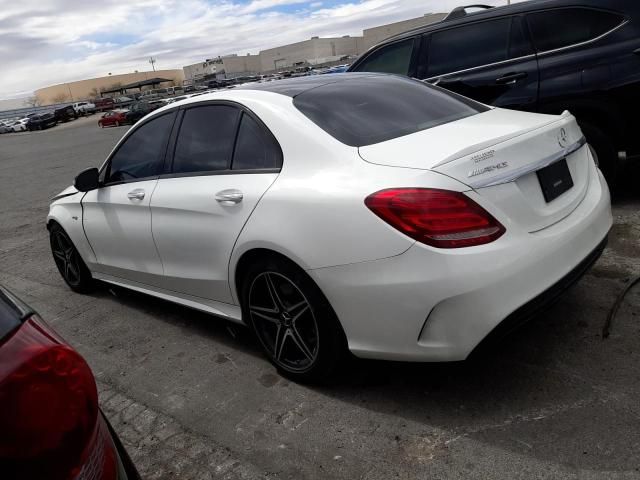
(225, 310)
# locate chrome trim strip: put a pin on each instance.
(586, 42)
(512, 175)
(533, 55)
(502, 62)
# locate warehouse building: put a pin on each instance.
(90, 88)
(375, 35)
(314, 51)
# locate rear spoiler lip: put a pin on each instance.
(495, 141)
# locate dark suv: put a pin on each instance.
(545, 56)
(41, 121)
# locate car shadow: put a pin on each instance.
(626, 188)
(550, 390)
(215, 328)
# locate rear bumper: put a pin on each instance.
(439, 305)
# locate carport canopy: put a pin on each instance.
(143, 83)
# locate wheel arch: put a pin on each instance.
(242, 260)
(69, 216)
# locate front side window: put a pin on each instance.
(255, 148)
(206, 139)
(394, 58)
(558, 28)
(476, 45)
(142, 153)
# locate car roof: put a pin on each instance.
(294, 86)
(495, 12)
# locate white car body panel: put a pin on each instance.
(119, 230)
(395, 298)
(195, 234)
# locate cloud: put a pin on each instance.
(55, 41)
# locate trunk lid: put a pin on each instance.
(498, 154)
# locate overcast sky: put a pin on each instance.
(43, 42)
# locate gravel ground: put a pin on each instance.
(192, 397)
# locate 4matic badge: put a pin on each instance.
(487, 169)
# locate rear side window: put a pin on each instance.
(378, 108)
(476, 45)
(142, 153)
(206, 139)
(394, 58)
(564, 27)
(255, 148)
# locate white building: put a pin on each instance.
(314, 51)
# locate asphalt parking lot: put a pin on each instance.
(193, 398)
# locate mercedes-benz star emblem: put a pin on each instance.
(563, 139)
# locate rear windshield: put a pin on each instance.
(375, 109)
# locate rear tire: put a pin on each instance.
(69, 262)
(294, 323)
(605, 152)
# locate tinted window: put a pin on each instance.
(558, 28)
(142, 153)
(476, 45)
(206, 139)
(376, 108)
(394, 58)
(255, 148)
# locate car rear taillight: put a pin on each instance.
(440, 218)
(50, 426)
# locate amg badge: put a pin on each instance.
(490, 168)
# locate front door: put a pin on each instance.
(492, 62)
(117, 217)
(224, 161)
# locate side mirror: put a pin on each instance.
(87, 180)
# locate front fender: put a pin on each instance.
(67, 212)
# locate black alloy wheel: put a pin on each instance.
(294, 323)
(284, 321)
(70, 265)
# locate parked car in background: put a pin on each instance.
(64, 114)
(6, 126)
(50, 420)
(114, 118)
(121, 102)
(20, 125)
(420, 225)
(103, 104)
(546, 56)
(41, 121)
(84, 108)
(140, 109)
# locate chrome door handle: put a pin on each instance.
(511, 78)
(229, 197)
(137, 194)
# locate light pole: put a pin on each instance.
(152, 61)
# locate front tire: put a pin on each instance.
(69, 262)
(292, 320)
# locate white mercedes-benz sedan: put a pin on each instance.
(354, 212)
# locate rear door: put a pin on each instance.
(225, 159)
(583, 64)
(491, 61)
